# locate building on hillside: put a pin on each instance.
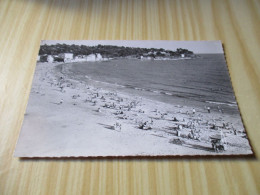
(91, 58)
(50, 58)
(98, 57)
(67, 57)
(79, 58)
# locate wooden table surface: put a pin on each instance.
(25, 22)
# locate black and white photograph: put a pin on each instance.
(94, 98)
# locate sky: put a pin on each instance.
(195, 46)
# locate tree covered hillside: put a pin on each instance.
(110, 51)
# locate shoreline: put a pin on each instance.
(155, 94)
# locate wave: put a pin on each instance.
(131, 87)
(232, 104)
(108, 83)
(178, 94)
(163, 92)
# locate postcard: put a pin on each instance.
(131, 98)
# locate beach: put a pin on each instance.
(72, 114)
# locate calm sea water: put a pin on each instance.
(196, 82)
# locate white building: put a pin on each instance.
(50, 58)
(66, 56)
(91, 58)
(98, 57)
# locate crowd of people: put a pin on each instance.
(184, 122)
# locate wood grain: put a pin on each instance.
(25, 22)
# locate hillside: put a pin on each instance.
(111, 51)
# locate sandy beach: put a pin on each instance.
(70, 117)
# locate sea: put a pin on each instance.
(199, 82)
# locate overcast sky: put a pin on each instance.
(195, 46)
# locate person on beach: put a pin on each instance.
(193, 111)
(140, 111)
(234, 130)
(224, 126)
(132, 104)
(192, 133)
(55, 82)
(175, 119)
(125, 116)
(162, 116)
(151, 122)
(61, 80)
(145, 126)
(179, 130)
(208, 108)
(117, 126)
(214, 126)
(61, 101)
(61, 88)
